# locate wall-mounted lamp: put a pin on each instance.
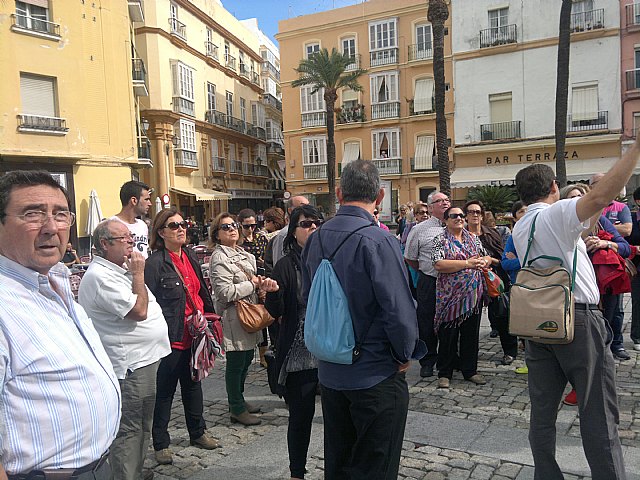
(175, 141)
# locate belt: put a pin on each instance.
(62, 473)
(586, 306)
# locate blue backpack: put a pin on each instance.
(328, 329)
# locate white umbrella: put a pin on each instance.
(95, 213)
(158, 205)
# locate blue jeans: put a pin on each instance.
(614, 315)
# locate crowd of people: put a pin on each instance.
(96, 378)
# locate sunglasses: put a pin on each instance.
(474, 212)
(250, 225)
(176, 225)
(308, 223)
(453, 216)
(228, 226)
(422, 212)
(375, 212)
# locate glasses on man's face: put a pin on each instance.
(474, 212)
(376, 212)
(122, 238)
(225, 227)
(37, 218)
(251, 226)
(453, 216)
(422, 212)
(308, 223)
(441, 200)
(176, 225)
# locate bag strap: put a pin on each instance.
(184, 285)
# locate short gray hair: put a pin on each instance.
(102, 232)
(431, 195)
(360, 182)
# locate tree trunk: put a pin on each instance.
(562, 89)
(437, 14)
(330, 98)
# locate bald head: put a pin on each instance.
(295, 202)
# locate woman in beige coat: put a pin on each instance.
(232, 271)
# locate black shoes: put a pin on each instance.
(426, 371)
(621, 355)
(494, 333)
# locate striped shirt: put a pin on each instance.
(420, 244)
(59, 397)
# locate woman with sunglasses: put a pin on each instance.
(169, 271)
(233, 277)
(251, 239)
(297, 368)
(376, 220)
(459, 258)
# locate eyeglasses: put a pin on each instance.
(474, 212)
(441, 200)
(422, 212)
(308, 223)
(453, 216)
(249, 225)
(375, 212)
(37, 218)
(123, 238)
(176, 225)
(228, 226)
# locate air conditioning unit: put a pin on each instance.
(487, 135)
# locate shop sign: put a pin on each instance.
(530, 157)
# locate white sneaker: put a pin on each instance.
(636, 347)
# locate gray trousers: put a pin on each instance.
(587, 363)
(132, 441)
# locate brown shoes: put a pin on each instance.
(164, 457)
(252, 408)
(477, 379)
(206, 442)
(245, 418)
(443, 382)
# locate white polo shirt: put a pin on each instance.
(105, 293)
(557, 231)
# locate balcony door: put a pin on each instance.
(501, 117)
(349, 46)
(424, 43)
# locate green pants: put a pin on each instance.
(234, 377)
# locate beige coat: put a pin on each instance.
(229, 284)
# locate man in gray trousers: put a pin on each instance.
(587, 362)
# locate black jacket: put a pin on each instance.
(165, 284)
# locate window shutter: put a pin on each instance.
(37, 95)
(214, 146)
(424, 152)
(584, 104)
(349, 95)
(351, 153)
(423, 101)
(500, 105)
(175, 74)
(37, 3)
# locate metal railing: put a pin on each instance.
(236, 166)
(185, 158)
(270, 68)
(261, 171)
(212, 50)
(429, 108)
(41, 123)
(35, 24)
(356, 63)
(633, 14)
(598, 121)
(385, 110)
(388, 166)
(315, 171)
(585, 21)
(269, 99)
(259, 132)
(178, 28)
(384, 57)
(314, 119)
(216, 118)
(255, 78)
(182, 105)
(244, 71)
(144, 148)
(230, 61)
(218, 164)
(139, 73)
(223, 120)
(421, 51)
(351, 114)
(632, 79)
(492, 37)
(501, 130)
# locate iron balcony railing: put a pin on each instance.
(585, 21)
(230, 61)
(385, 110)
(633, 14)
(212, 50)
(428, 107)
(178, 28)
(501, 130)
(223, 120)
(41, 123)
(139, 73)
(259, 132)
(356, 62)
(388, 166)
(421, 51)
(351, 114)
(270, 68)
(144, 148)
(269, 99)
(183, 105)
(244, 71)
(586, 121)
(262, 171)
(315, 171)
(218, 164)
(314, 119)
(384, 57)
(633, 79)
(236, 166)
(185, 158)
(35, 24)
(255, 78)
(494, 36)
(434, 165)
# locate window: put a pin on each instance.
(243, 66)
(211, 96)
(245, 154)
(243, 109)
(38, 95)
(349, 98)
(349, 46)
(636, 123)
(582, 6)
(386, 144)
(382, 35)
(187, 135)
(351, 153)
(424, 152)
(424, 42)
(584, 103)
(311, 102)
(213, 142)
(500, 107)
(498, 18)
(258, 114)
(384, 87)
(261, 152)
(209, 35)
(183, 97)
(33, 15)
(314, 150)
(423, 99)
(229, 97)
(311, 48)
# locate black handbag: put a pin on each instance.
(272, 373)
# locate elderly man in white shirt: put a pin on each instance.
(134, 334)
(587, 362)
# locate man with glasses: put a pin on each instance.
(417, 254)
(134, 334)
(136, 200)
(59, 396)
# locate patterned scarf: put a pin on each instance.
(459, 294)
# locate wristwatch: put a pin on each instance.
(608, 245)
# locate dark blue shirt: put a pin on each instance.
(372, 273)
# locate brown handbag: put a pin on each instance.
(253, 317)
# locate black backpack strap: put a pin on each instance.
(330, 258)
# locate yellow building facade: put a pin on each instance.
(392, 122)
(67, 96)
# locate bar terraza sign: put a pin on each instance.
(530, 157)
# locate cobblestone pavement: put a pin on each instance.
(503, 402)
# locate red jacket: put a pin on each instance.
(609, 267)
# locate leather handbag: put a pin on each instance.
(541, 307)
(253, 316)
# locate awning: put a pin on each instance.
(506, 174)
(201, 193)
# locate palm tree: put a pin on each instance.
(328, 71)
(437, 14)
(562, 89)
(495, 198)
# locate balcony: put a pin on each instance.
(585, 21)
(422, 51)
(178, 28)
(255, 78)
(599, 121)
(36, 26)
(218, 164)
(183, 105)
(500, 131)
(385, 110)
(353, 114)
(185, 159)
(244, 71)
(144, 149)
(388, 166)
(270, 69)
(495, 36)
(261, 171)
(434, 165)
(220, 119)
(356, 63)
(236, 166)
(317, 171)
(139, 76)
(314, 119)
(386, 56)
(247, 168)
(429, 107)
(633, 79)
(258, 132)
(212, 50)
(633, 14)
(269, 99)
(230, 61)
(42, 124)
(136, 13)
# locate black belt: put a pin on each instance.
(586, 306)
(61, 473)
